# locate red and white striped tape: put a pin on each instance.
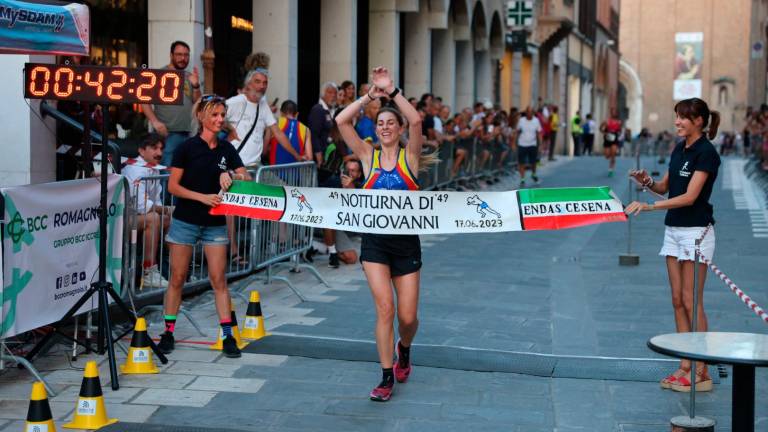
(736, 290)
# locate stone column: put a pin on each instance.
(517, 61)
(275, 32)
(465, 75)
(384, 41)
(483, 76)
(444, 66)
(338, 41)
(30, 144)
(418, 52)
(172, 20)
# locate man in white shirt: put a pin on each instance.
(529, 135)
(151, 215)
(250, 116)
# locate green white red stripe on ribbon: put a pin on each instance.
(423, 212)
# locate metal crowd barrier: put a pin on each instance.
(254, 245)
(276, 246)
(440, 176)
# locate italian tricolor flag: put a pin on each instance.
(253, 200)
(551, 209)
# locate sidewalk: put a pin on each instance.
(554, 293)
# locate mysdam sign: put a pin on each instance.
(51, 249)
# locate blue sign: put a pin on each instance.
(29, 27)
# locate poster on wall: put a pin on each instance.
(50, 249)
(688, 65)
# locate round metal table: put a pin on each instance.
(744, 351)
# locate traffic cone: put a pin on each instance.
(90, 412)
(39, 417)
(139, 359)
(235, 333)
(253, 327)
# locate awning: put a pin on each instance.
(44, 27)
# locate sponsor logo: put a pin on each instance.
(223, 163)
(684, 170)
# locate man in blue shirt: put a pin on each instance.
(366, 125)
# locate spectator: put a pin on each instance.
(478, 113)
(320, 120)
(152, 218)
(173, 122)
(530, 134)
(543, 115)
(297, 134)
(588, 134)
(351, 178)
(463, 144)
(434, 110)
(346, 94)
(576, 132)
(413, 101)
(554, 126)
(427, 123)
(250, 116)
(366, 126)
(363, 90)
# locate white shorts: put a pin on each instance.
(680, 242)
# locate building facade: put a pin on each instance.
(673, 49)
(459, 50)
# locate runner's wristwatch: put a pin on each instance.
(394, 93)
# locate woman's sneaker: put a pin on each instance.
(382, 392)
(401, 372)
(229, 347)
(167, 343)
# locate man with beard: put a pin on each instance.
(250, 116)
(174, 122)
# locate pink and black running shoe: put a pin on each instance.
(401, 372)
(382, 392)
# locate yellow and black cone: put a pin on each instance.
(253, 327)
(139, 359)
(235, 333)
(90, 412)
(39, 417)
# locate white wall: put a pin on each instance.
(28, 145)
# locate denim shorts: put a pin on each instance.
(189, 234)
(680, 242)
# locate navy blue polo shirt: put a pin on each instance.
(701, 156)
(202, 167)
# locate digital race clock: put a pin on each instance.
(103, 84)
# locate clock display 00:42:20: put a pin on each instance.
(103, 84)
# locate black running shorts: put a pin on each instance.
(402, 253)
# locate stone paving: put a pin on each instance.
(559, 293)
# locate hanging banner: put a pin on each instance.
(49, 27)
(51, 249)
(407, 212)
(688, 65)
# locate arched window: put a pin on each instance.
(722, 95)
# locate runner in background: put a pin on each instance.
(693, 168)
(390, 259)
(611, 128)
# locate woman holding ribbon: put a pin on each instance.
(390, 259)
(693, 168)
(202, 166)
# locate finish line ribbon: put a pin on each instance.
(423, 212)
